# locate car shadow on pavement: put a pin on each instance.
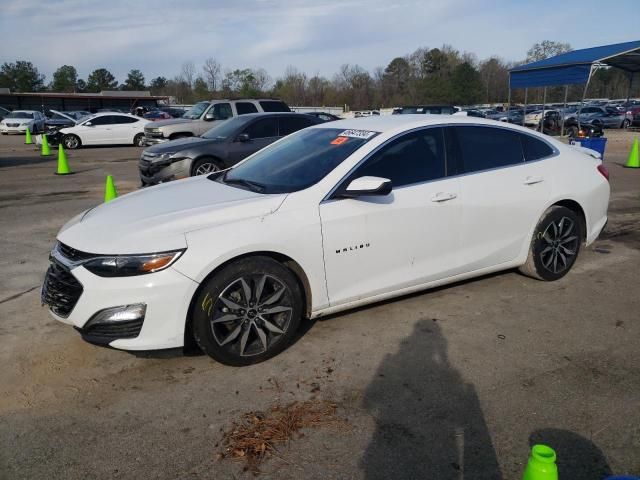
(577, 457)
(429, 423)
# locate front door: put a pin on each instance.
(375, 245)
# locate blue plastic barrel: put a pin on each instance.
(594, 143)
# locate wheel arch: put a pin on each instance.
(285, 260)
(172, 136)
(579, 211)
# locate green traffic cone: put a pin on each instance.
(110, 191)
(46, 151)
(634, 156)
(63, 165)
(27, 138)
(541, 464)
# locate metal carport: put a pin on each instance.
(576, 68)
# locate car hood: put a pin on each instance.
(173, 121)
(157, 218)
(177, 145)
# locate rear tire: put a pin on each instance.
(625, 123)
(555, 245)
(71, 142)
(247, 312)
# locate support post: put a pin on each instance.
(584, 94)
(544, 103)
(564, 110)
(524, 110)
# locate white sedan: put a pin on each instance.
(329, 218)
(19, 120)
(107, 128)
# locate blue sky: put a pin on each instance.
(316, 36)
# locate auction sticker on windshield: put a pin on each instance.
(365, 134)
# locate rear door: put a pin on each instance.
(502, 195)
(261, 133)
(123, 129)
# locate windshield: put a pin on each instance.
(196, 111)
(298, 161)
(20, 115)
(225, 129)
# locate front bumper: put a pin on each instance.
(153, 140)
(152, 173)
(19, 129)
(166, 294)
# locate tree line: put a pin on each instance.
(427, 75)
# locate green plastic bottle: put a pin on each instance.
(541, 464)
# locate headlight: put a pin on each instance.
(130, 265)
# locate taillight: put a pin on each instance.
(603, 170)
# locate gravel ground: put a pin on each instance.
(451, 383)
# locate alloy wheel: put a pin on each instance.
(250, 315)
(206, 168)
(71, 142)
(561, 240)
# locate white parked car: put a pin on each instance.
(18, 121)
(533, 118)
(329, 218)
(109, 128)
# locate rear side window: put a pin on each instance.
(534, 149)
(413, 158)
(273, 106)
(293, 124)
(265, 128)
(245, 107)
(484, 148)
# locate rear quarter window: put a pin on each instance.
(534, 149)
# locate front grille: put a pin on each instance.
(13, 125)
(148, 168)
(60, 290)
(73, 254)
(152, 133)
(107, 332)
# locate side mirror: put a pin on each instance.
(367, 186)
(88, 124)
(210, 117)
(243, 137)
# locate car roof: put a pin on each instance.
(25, 111)
(102, 114)
(389, 123)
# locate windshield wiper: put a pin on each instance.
(253, 186)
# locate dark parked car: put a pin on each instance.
(156, 115)
(552, 125)
(175, 112)
(58, 119)
(324, 116)
(425, 109)
(221, 147)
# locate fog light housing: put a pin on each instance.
(115, 315)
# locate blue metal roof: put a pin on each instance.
(574, 67)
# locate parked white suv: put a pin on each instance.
(205, 115)
(331, 217)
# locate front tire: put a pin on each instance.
(247, 312)
(71, 142)
(555, 245)
(205, 166)
(625, 123)
(138, 140)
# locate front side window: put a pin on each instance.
(484, 148)
(245, 107)
(265, 128)
(289, 125)
(119, 119)
(196, 111)
(103, 120)
(297, 161)
(222, 111)
(413, 158)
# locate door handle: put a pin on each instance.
(443, 197)
(533, 180)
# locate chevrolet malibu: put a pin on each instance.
(329, 218)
